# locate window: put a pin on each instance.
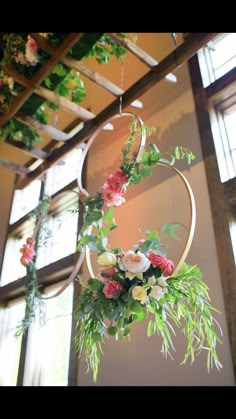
(47, 358)
(25, 200)
(213, 75)
(10, 345)
(223, 123)
(217, 58)
(49, 348)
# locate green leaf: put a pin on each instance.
(94, 284)
(150, 328)
(96, 337)
(177, 153)
(136, 307)
(87, 308)
(108, 216)
(112, 330)
(127, 331)
(168, 230)
(145, 172)
(136, 179)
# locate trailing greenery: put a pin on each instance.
(33, 303)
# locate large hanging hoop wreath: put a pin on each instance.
(134, 284)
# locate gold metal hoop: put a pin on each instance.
(192, 224)
(191, 228)
(80, 258)
(82, 190)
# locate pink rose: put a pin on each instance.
(112, 198)
(169, 267)
(116, 182)
(157, 260)
(109, 271)
(111, 288)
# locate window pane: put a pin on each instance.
(62, 174)
(217, 58)
(63, 232)
(12, 269)
(10, 345)
(25, 200)
(47, 359)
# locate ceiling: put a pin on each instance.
(136, 74)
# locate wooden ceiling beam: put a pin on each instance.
(184, 52)
(17, 168)
(33, 151)
(65, 103)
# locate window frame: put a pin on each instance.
(221, 194)
(51, 274)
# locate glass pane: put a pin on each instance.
(25, 200)
(62, 240)
(48, 351)
(217, 58)
(62, 174)
(12, 269)
(10, 345)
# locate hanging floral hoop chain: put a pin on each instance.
(84, 193)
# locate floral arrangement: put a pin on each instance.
(139, 284)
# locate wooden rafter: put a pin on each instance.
(33, 151)
(184, 52)
(66, 104)
(17, 168)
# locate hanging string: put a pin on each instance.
(174, 37)
(121, 84)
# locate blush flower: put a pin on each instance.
(134, 263)
(112, 198)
